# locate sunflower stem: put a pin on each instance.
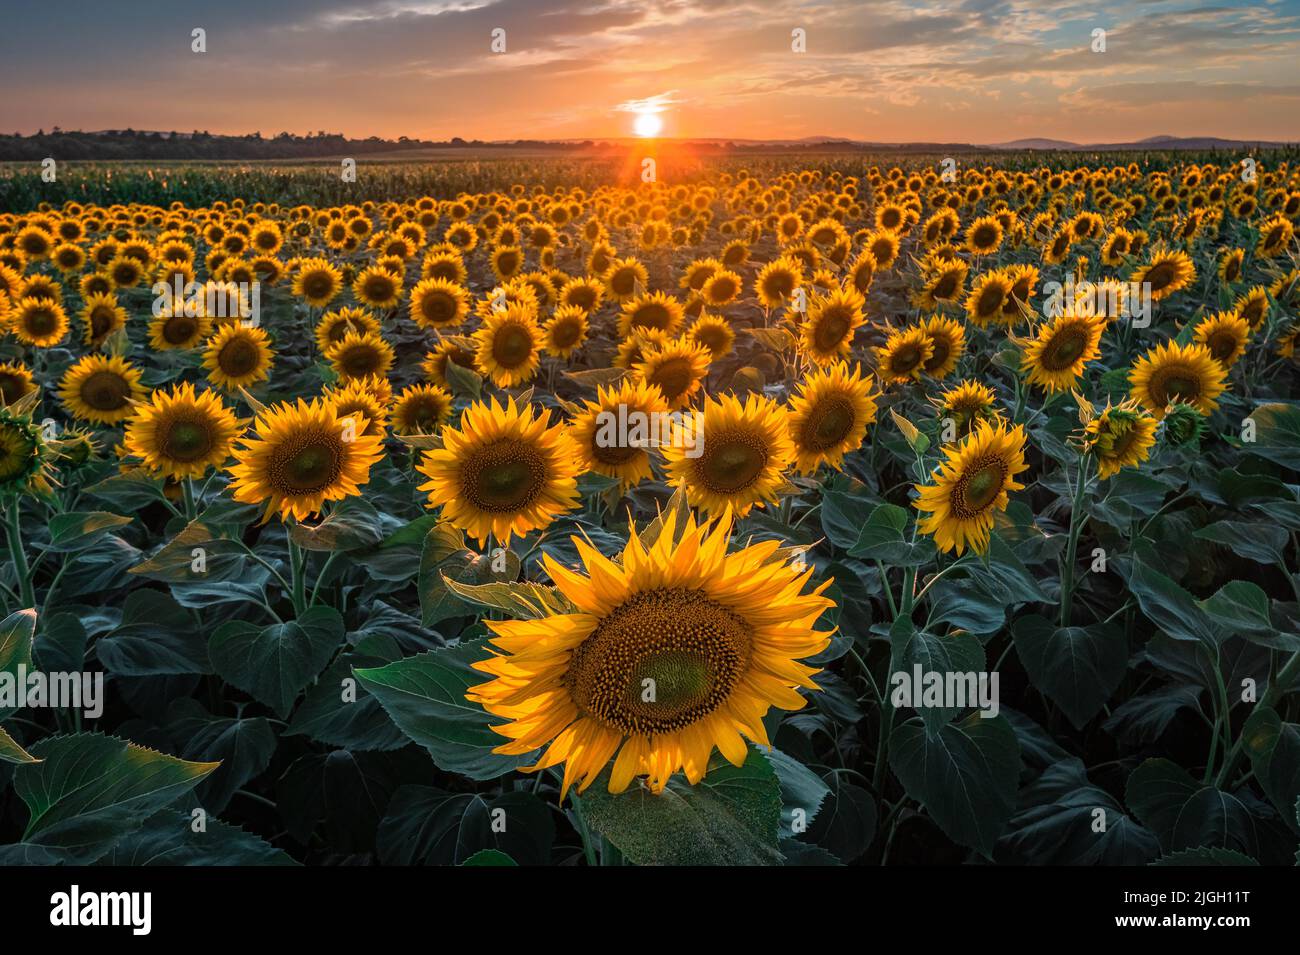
(1078, 517)
(187, 489)
(13, 533)
(297, 565)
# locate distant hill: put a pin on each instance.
(132, 144)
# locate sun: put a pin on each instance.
(647, 124)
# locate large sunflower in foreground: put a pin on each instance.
(1121, 436)
(829, 416)
(100, 388)
(614, 433)
(678, 649)
(740, 453)
(970, 485)
(181, 433)
(509, 346)
(1169, 373)
(504, 471)
(300, 456)
(1056, 357)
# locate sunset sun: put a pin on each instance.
(647, 124)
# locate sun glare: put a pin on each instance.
(647, 124)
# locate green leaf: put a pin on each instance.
(729, 818)
(1262, 543)
(198, 554)
(16, 632)
(11, 752)
(957, 653)
(77, 530)
(425, 696)
(1168, 605)
(846, 825)
(464, 382)
(1274, 750)
(244, 746)
(91, 790)
(843, 516)
(1277, 434)
(1077, 667)
(168, 839)
(157, 637)
(273, 664)
(965, 777)
(428, 826)
(802, 792)
(1205, 855)
(351, 525)
(522, 600)
(1184, 813)
(492, 857)
(882, 539)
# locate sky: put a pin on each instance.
(975, 71)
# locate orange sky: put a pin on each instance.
(979, 71)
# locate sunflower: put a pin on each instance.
(989, 297)
(970, 484)
(335, 325)
(948, 343)
(377, 287)
(40, 322)
(181, 433)
(438, 303)
(360, 355)
(714, 333)
(101, 316)
(833, 319)
(174, 329)
(1166, 273)
(504, 471)
(1121, 436)
(1252, 306)
(100, 389)
(746, 450)
(447, 351)
(944, 285)
(237, 356)
(1225, 334)
(23, 453)
(125, 271)
(714, 636)
(1275, 236)
(606, 435)
(508, 346)
(721, 288)
(16, 382)
(677, 368)
(583, 293)
(967, 403)
(1056, 356)
(1230, 265)
(421, 409)
(984, 236)
(903, 356)
(655, 310)
(300, 456)
(356, 399)
(566, 331)
(829, 416)
(624, 279)
(317, 282)
(1171, 373)
(776, 283)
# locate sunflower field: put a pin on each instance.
(795, 511)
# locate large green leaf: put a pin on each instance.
(425, 696)
(1166, 604)
(157, 636)
(1277, 434)
(958, 655)
(11, 752)
(91, 790)
(883, 539)
(77, 530)
(965, 776)
(425, 825)
(273, 664)
(168, 838)
(16, 632)
(730, 817)
(1262, 543)
(1274, 750)
(1186, 814)
(1077, 667)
